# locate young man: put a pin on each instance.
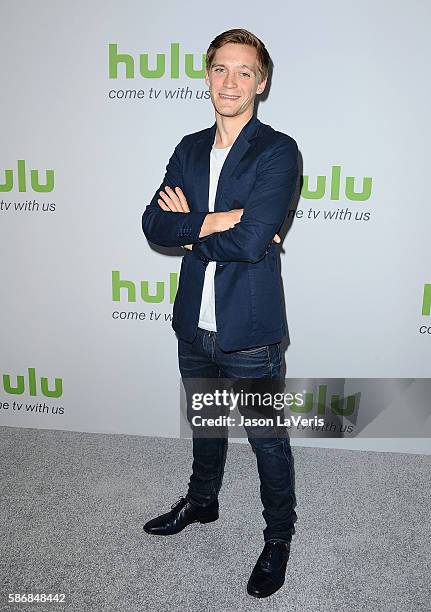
(225, 194)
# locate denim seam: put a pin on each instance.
(269, 361)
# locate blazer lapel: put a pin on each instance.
(201, 165)
(239, 148)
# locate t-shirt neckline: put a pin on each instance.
(214, 148)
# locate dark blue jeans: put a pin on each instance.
(204, 359)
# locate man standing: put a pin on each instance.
(225, 195)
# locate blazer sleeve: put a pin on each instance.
(167, 228)
(264, 211)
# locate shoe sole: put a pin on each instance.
(207, 520)
(257, 596)
(203, 520)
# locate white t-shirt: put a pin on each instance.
(207, 317)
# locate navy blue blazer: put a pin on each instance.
(259, 174)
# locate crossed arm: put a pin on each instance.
(243, 234)
(174, 200)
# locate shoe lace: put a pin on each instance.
(266, 558)
(177, 503)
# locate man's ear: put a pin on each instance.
(261, 86)
(207, 80)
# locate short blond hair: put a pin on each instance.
(242, 37)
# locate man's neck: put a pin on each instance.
(228, 128)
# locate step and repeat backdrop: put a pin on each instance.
(95, 96)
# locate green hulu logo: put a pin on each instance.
(153, 295)
(21, 384)
(175, 59)
(342, 406)
(426, 301)
(335, 187)
(21, 178)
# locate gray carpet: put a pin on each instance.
(73, 505)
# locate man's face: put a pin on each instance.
(233, 79)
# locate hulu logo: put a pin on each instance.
(152, 295)
(426, 301)
(342, 406)
(30, 383)
(335, 187)
(175, 59)
(21, 178)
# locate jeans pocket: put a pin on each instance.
(256, 349)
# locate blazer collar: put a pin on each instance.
(202, 152)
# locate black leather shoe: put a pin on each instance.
(269, 573)
(182, 514)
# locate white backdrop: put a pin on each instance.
(350, 84)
